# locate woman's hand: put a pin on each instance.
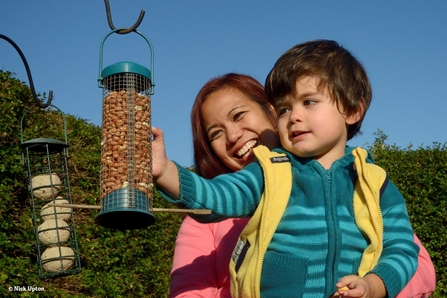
(159, 158)
(164, 171)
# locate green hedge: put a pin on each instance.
(421, 176)
(137, 263)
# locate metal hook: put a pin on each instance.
(122, 31)
(30, 79)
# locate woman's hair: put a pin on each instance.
(335, 68)
(206, 162)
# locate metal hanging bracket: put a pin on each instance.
(122, 31)
(30, 79)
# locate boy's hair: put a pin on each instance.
(337, 70)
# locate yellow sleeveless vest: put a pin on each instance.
(248, 255)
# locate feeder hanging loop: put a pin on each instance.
(30, 79)
(122, 31)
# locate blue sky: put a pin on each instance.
(402, 44)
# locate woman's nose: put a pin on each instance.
(234, 132)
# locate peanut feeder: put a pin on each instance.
(126, 166)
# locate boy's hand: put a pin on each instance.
(369, 286)
(164, 171)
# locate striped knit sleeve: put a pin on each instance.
(398, 261)
(230, 195)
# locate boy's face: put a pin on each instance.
(310, 124)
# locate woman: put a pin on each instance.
(230, 116)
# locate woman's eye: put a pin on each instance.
(238, 115)
(214, 135)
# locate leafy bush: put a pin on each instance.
(421, 176)
(137, 263)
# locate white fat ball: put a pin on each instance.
(48, 232)
(52, 181)
(51, 212)
(64, 262)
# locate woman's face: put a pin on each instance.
(235, 124)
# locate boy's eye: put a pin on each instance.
(309, 102)
(282, 111)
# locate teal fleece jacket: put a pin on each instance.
(317, 241)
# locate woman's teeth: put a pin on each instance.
(247, 147)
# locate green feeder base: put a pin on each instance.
(125, 209)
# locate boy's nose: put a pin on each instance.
(295, 115)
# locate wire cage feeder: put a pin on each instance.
(126, 166)
(45, 161)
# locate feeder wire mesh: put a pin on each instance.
(126, 179)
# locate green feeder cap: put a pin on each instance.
(41, 144)
(119, 69)
(122, 67)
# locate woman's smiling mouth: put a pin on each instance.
(244, 150)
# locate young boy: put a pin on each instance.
(320, 93)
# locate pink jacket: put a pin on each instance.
(202, 256)
(423, 282)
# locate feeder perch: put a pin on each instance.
(126, 166)
(45, 160)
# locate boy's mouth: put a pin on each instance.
(246, 149)
(295, 134)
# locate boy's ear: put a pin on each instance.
(354, 118)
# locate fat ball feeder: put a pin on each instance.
(45, 161)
